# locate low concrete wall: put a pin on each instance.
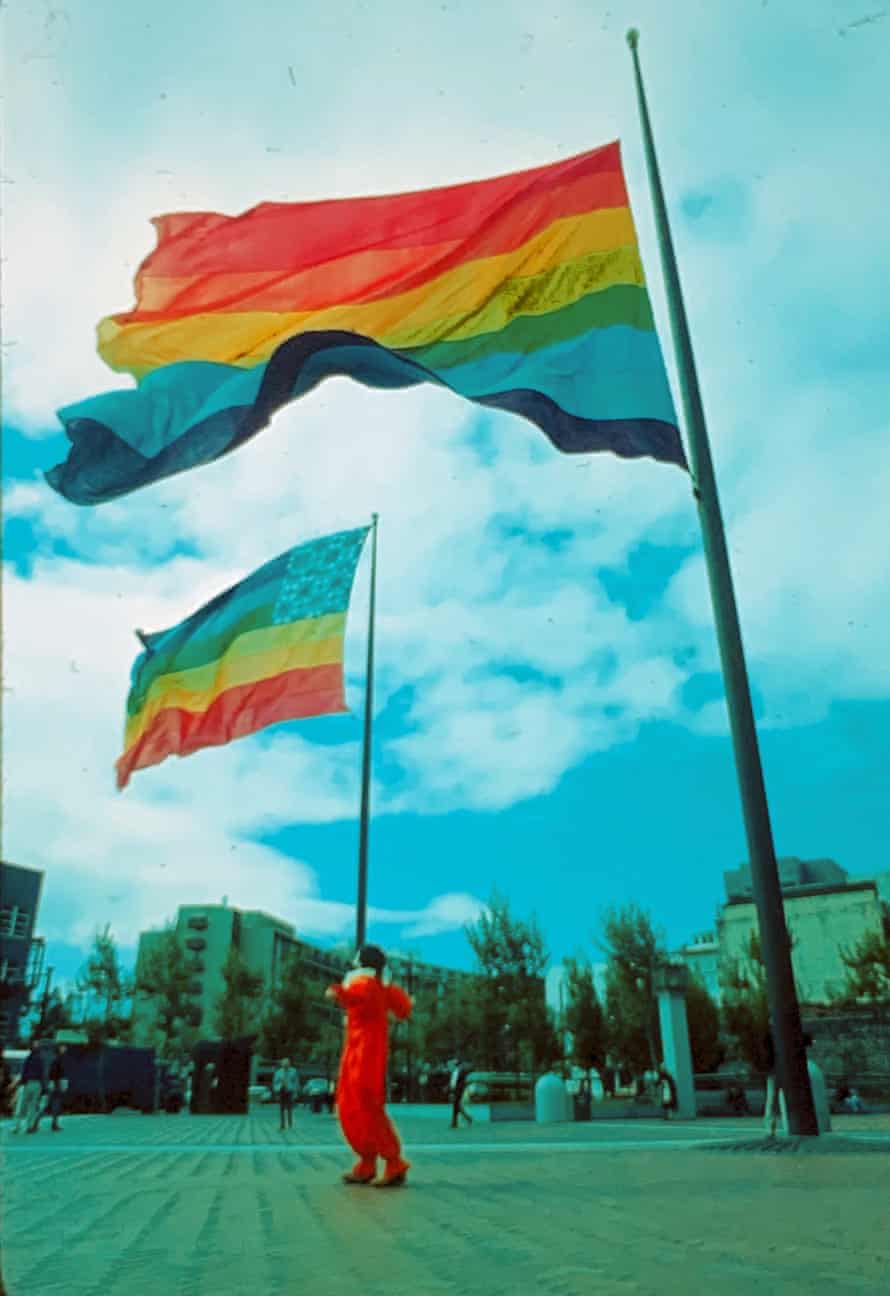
(851, 1045)
(481, 1112)
(512, 1111)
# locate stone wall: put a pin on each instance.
(850, 1044)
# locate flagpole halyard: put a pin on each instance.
(361, 915)
(791, 1062)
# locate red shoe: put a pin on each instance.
(394, 1174)
(362, 1173)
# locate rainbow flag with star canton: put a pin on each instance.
(269, 649)
(523, 293)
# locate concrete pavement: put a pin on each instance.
(128, 1204)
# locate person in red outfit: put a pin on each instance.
(368, 1000)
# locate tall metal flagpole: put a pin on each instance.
(361, 914)
(791, 1062)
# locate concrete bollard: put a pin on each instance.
(820, 1102)
(551, 1100)
(820, 1097)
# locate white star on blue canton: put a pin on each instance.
(318, 577)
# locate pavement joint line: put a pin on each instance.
(695, 1129)
(621, 1145)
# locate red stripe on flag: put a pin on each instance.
(293, 695)
(293, 236)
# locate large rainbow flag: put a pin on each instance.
(525, 293)
(268, 649)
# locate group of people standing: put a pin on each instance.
(40, 1090)
(368, 1000)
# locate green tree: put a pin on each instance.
(235, 1011)
(164, 976)
(108, 988)
(703, 1020)
(53, 1015)
(868, 965)
(584, 1017)
(287, 1027)
(745, 1005)
(634, 950)
(326, 1044)
(508, 1014)
(103, 981)
(447, 1025)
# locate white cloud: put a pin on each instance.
(444, 913)
(808, 547)
(472, 600)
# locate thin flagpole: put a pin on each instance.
(791, 1061)
(361, 914)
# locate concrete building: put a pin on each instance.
(207, 933)
(419, 977)
(702, 956)
(21, 952)
(825, 910)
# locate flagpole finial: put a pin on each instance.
(633, 38)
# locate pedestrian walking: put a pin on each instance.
(32, 1084)
(460, 1074)
(58, 1083)
(771, 1106)
(284, 1084)
(668, 1092)
(368, 1000)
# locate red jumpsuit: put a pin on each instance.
(361, 1084)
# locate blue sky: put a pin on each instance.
(550, 717)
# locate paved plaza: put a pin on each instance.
(127, 1205)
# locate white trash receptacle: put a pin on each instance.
(551, 1100)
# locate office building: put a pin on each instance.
(21, 952)
(826, 911)
(702, 956)
(207, 933)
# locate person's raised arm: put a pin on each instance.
(398, 1002)
(339, 992)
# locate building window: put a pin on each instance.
(14, 921)
(196, 943)
(198, 922)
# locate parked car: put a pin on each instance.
(317, 1092)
